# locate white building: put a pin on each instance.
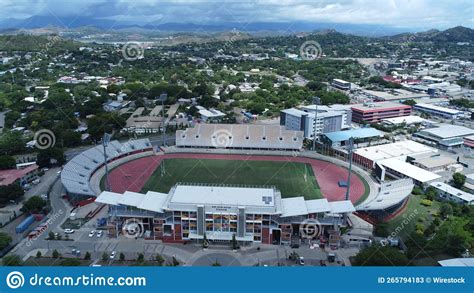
(438, 111)
(447, 192)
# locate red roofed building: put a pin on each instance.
(22, 176)
(374, 112)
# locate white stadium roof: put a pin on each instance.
(409, 170)
(457, 262)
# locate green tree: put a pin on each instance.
(5, 240)
(380, 256)
(34, 204)
(140, 257)
(7, 162)
(55, 254)
(38, 254)
(87, 256)
(159, 259)
(105, 256)
(459, 179)
(10, 192)
(12, 260)
(121, 256)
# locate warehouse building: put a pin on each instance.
(220, 212)
(341, 138)
(375, 112)
(438, 111)
(446, 135)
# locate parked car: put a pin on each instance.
(91, 233)
(99, 234)
(68, 231)
(112, 255)
(301, 260)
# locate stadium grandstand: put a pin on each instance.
(240, 136)
(217, 212)
(77, 173)
(390, 197)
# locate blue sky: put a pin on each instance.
(398, 13)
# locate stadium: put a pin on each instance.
(249, 182)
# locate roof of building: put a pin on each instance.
(437, 108)
(444, 131)
(467, 197)
(435, 161)
(223, 195)
(396, 149)
(412, 119)
(457, 262)
(253, 199)
(345, 135)
(9, 176)
(369, 107)
(409, 170)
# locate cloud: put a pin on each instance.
(399, 13)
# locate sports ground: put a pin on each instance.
(293, 176)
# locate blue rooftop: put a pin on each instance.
(344, 135)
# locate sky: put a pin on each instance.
(438, 14)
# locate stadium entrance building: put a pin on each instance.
(218, 212)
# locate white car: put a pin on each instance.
(91, 233)
(99, 234)
(68, 231)
(112, 255)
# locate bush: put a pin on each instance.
(426, 202)
(12, 260)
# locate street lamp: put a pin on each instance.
(316, 101)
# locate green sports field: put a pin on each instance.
(292, 179)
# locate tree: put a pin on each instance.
(7, 162)
(459, 179)
(38, 254)
(55, 254)
(380, 256)
(87, 256)
(446, 210)
(234, 243)
(105, 256)
(216, 264)
(10, 192)
(409, 102)
(140, 257)
(45, 157)
(121, 256)
(5, 240)
(51, 235)
(159, 259)
(12, 260)
(34, 204)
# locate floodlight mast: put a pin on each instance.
(105, 143)
(316, 101)
(163, 97)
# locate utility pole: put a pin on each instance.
(105, 143)
(163, 97)
(316, 101)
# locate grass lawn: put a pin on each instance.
(414, 213)
(292, 179)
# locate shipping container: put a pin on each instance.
(24, 224)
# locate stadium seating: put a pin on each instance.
(77, 172)
(240, 136)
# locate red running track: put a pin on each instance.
(133, 175)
